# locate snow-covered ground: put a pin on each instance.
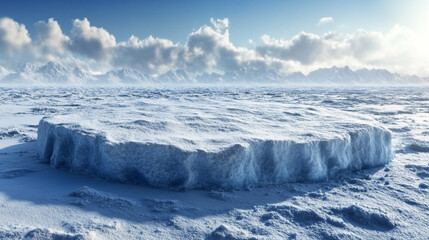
(391, 201)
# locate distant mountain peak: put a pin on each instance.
(53, 64)
(123, 76)
(27, 67)
(179, 75)
(79, 74)
(55, 73)
(3, 72)
(53, 67)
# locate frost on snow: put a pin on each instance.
(212, 143)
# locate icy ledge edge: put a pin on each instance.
(261, 162)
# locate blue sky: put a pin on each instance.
(286, 36)
(249, 19)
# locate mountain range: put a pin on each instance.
(54, 73)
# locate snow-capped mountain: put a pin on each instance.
(209, 78)
(378, 76)
(241, 75)
(3, 72)
(252, 75)
(25, 74)
(296, 77)
(50, 73)
(123, 76)
(83, 76)
(387, 78)
(346, 76)
(334, 75)
(54, 73)
(27, 68)
(177, 76)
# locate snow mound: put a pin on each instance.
(365, 218)
(91, 196)
(11, 133)
(37, 234)
(168, 206)
(417, 146)
(46, 234)
(223, 196)
(224, 232)
(4, 134)
(300, 216)
(421, 171)
(190, 143)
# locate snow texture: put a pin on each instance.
(41, 202)
(39, 234)
(181, 143)
(87, 195)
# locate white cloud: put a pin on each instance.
(325, 20)
(151, 55)
(13, 36)
(400, 50)
(207, 45)
(220, 24)
(305, 48)
(50, 39)
(209, 49)
(91, 41)
(391, 50)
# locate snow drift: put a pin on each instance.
(231, 145)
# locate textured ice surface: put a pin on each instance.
(200, 142)
(387, 202)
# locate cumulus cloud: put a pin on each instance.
(305, 48)
(325, 20)
(209, 45)
(362, 49)
(209, 49)
(400, 50)
(50, 39)
(13, 36)
(150, 55)
(206, 49)
(91, 41)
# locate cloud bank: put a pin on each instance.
(209, 49)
